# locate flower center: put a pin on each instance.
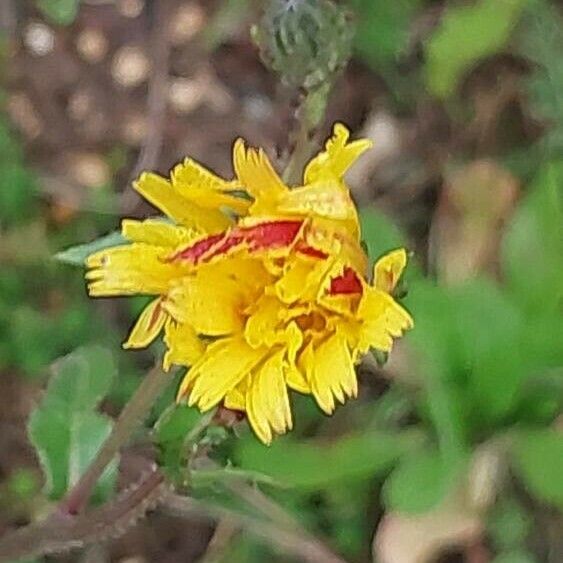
(311, 321)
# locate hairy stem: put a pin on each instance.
(308, 115)
(60, 533)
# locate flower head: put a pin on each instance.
(259, 288)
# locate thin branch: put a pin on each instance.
(291, 541)
(226, 531)
(254, 497)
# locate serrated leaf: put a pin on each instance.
(420, 482)
(304, 465)
(466, 35)
(61, 12)
(538, 460)
(65, 429)
(76, 255)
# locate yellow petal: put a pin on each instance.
(337, 157)
(333, 373)
(224, 365)
(301, 278)
(157, 232)
(383, 319)
(204, 188)
(267, 401)
(210, 303)
(184, 347)
(258, 177)
(236, 399)
(305, 365)
(162, 195)
(337, 240)
(292, 339)
(249, 272)
(388, 269)
(296, 380)
(326, 198)
(130, 269)
(148, 326)
(190, 174)
(263, 322)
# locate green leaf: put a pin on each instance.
(313, 466)
(61, 12)
(487, 324)
(538, 460)
(76, 255)
(533, 245)
(466, 35)
(437, 347)
(419, 483)
(65, 429)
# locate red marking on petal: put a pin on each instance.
(310, 251)
(345, 284)
(197, 250)
(275, 234)
(272, 234)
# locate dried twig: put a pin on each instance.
(157, 97)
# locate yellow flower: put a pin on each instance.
(259, 288)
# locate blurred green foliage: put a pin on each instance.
(17, 183)
(466, 35)
(382, 29)
(541, 41)
(60, 12)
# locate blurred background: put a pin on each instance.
(454, 449)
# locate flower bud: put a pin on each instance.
(306, 41)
